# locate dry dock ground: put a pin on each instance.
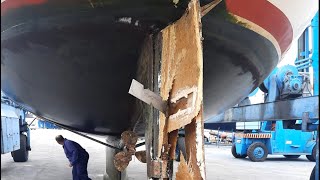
(48, 162)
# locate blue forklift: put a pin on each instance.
(279, 137)
(289, 114)
(15, 133)
(291, 137)
(276, 138)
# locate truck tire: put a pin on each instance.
(313, 174)
(181, 145)
(257, 152)
(22, 154)
(312, 157)
(234, 152)
(292, 156)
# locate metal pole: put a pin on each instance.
(302, 60)
(315, 65)
(306, 48)
(31, 122)
(108, 145)
(64, 127)
(315, 53)
(218, 143)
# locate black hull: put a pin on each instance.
(75, 69)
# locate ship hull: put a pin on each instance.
(75, 68)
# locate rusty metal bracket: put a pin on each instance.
(165, 157)
(156, 169)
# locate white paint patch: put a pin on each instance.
(258, 29)
(184, 93)
(126, 20)
(200, 152)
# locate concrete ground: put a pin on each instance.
(48, 162)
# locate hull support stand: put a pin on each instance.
(111, 171)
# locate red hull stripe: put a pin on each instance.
(260, 12)
(14, 4)
(265, 15)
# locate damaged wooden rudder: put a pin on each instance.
(174, 59)
(182, 87)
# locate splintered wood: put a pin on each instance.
(181, 71)
(195, 147)
(184, 171)
(181, 87)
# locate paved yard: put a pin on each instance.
(48, 162)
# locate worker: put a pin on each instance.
(78, 158)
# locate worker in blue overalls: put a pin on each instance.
(78, 158)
